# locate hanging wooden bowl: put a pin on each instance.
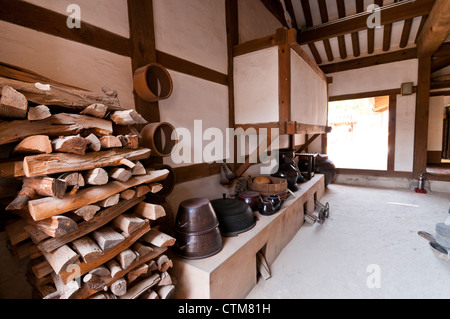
(158, 137)
(146, 81)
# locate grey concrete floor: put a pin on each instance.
(368, 249)
(370, 237)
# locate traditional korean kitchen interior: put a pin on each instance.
(224, 149)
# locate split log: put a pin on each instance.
(142, 190)
(44, 186)
(155, 187)
(65, 290)
(139, 169)
(128, 117)
(61, 258)
(142, 286)
(136, 273)
(165, 279)
(38, 113)
(152, 266)
(57, 125)
(11, 168)
(70, 144)
(164, 263)
(35, 234)
(120, 174)
(103, 296)
(40, 165)
(85, 228)
(61, 96)
(36, 144)
(150, 295)
(158, 239)
(47, 207)
(96, 110)
(94, 282)
(126, 258)
(128, 194)
(96, 177)
(13, 104)
(101, 271)
(73, 179)
(93, 143)
(165, 292)
(16, 233)
(129, 141)
(113, 267)
(110, 201)
(127, 223)
(87, 248)
(110, 141)
(87, 212)
(141, 250)
(107, 238)
(149, 211)
(57, 226)
(119, 287)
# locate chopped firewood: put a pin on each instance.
(142, 190)
(158, 239)
(107, 238)
(87, 248)
(57, 125)
(128, 194)
(119, 287)
(139, 288)
(263, 266)
(126, 258)
(94, 282)
(73, 179)
(129, 141)
(101, 271)
(16, 233)
(61, 258)
(95, 110)
(155, 187)
(149, 211)
(109, 92)
(164, 263)
(141, 249)
(13, 104)
(113, 267)
(87, 212)
(57, 226)
(165, 292)
(165, 279)
(96, 177)
(35, 234)
(103, 296)
(65, 290)
(150, 294)
(152, 266)
(40, 112)
(110, 142)
(137, 272)
(36, 144)
(44, 186)
(127, 223)
(139, 169)
(38, 165)
(128, 117)
(120, 174)
(110, 201)
(70, 144)
(94, 143)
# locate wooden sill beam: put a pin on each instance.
(389, 14)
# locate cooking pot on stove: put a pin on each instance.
(235, 216)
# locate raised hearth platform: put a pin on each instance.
(232, 273)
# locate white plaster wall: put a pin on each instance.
(255, 21)
(309, 93)
(111, 15)
(404, 138)
(193, 30)
(435, 123)
(67, 61)
(195, 99)
(256, 87)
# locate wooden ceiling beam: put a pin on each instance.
(276, 9)
(406, 33)
(435, 30)
(389, 14)
(309, 23)
(324, 17)
(341, 38)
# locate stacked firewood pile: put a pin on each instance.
(80, 208)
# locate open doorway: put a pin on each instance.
(360, 134)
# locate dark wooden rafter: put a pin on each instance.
(277, 11)
(309, 23)
(422, 24)
(406, 33)
(341, 38)
(290, 10)
(355, 35)
(324, 17)
(441, 58)
(371, 32)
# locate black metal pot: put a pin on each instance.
(288, 170)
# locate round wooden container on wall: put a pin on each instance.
(153, 83)
(158, 138)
